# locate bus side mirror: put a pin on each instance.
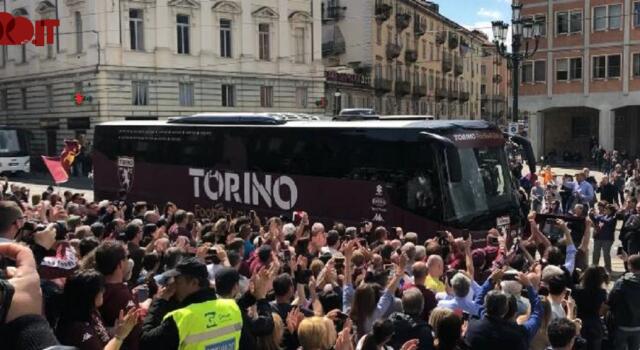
(454, 168)
(527, 148)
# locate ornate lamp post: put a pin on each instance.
(523, 30)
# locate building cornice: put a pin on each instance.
(225, 6)
(44, 7)
(192, 4)
(300, 17)
(266, 12)
(71, 3)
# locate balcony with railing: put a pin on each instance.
(458, 68)
(382, 85)
(453, 94)
(403, 87)
(441, 37)
(447, 63)
(360, 68)
(393, 51)
(402, 21)
(333, 43)
(441, 93)
(494, 97)
(333, 48)
(383, 10)
(463, 96)
(453, 40)
(419, 26)
(410, 56)
(419, 90)
(333, 11)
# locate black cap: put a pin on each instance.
(188, 267)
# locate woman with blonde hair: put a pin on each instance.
(316, 333)
(437, 315)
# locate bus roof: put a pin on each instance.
(366, 124)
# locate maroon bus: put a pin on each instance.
(421, 175)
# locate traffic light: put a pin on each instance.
(79, 98)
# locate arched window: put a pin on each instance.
(47, 11)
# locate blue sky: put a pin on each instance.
(476, 14)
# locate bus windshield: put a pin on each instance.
(9, 142)
(485, 184)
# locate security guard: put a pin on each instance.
(187, 315)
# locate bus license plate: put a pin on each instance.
(503, 221)
(13, 164)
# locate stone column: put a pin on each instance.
(207, 30)
(626, 55)
(606, 129)
(317, 32)
(536, 133)
(165, 24)
(586, 58)
(249, 31)
(282, 40)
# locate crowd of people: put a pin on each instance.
(603, 203)
(120, 275)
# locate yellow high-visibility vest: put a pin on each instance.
(211, 325)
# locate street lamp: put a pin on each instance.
(336, 103)
(523, 31)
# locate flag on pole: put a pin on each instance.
(56, 169)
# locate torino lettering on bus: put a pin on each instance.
(246, 188)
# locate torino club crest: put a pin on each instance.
(125, 173)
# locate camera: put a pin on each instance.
(29, 226)
(551, 230)
(212, 255)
